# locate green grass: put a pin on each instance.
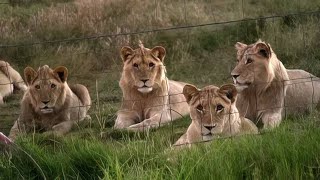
(201, 56)
(290, 151)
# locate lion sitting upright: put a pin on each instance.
(149, 98)
(267, 89)
(50, 104)
(10, 79)
(214, 113)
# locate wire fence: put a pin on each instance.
(97, 37)
(167, 110)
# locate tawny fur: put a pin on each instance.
(10, 79)
(205, 112)
(267, 89)
(145, 89)
(303, 92)
(50, 104)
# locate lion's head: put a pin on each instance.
(46, 88)
(211, 107)
(143, 68)
(256, 64)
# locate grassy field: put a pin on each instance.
(291, 151)
(201, 56)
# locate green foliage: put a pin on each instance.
(289, 151)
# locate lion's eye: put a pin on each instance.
(249, 61)
(53, 86)
(151, 65)
(219, 107)
(37, 87)
(135, 65)
(200, 108)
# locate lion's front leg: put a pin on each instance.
(15, 131)
(155, 121)
(21, 127)
(125, 118)
(62, 128)
(182, 141)
(25, 123)
(271, 119)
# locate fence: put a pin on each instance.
(106, 100)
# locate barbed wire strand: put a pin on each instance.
(156, 30)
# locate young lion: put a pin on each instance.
(213, 112)
(267, 89)
(149, 98)
(50, 104)
(10, 79)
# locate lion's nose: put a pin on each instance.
(45, 102)
(144, 80)
(235, 76)
(210, 127)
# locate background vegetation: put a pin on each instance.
(201, 55)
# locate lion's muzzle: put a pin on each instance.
(144, 86)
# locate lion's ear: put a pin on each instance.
(189, 91)
(159, 52)
(230, 91)
(125, 52)
(29, 75)
(263, 49)
(61, 72)
(240, 46)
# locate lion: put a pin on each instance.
(50, 105)
(149, 98)
(214, 114)
(268, 91)
(10, 80)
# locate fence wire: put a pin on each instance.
(168, 105)
(95, 37)
(310, 79)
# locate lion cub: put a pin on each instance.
(149, 98)
(267, 90)
(213, 112)
(50, 104)
(10, 79)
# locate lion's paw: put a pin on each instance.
(143, 126)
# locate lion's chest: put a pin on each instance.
(46, 122)
(145, 107)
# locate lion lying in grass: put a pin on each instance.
(213, 112)
(50, 104)
(149, 98)
(268, 90)
(10, 79)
